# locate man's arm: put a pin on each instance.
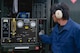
(77, 40)
(46, 39)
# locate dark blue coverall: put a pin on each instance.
(67, 40)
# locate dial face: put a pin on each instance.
(32, 23)
(26, 21)
(20, 24)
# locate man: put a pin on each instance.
(65, 37)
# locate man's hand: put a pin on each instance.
(41, 32)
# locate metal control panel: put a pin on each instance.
(18, 30)
(22, 33)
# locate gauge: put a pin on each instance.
(26, 21)
(32, 23)
(20, 24)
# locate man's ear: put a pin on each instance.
(53, 15)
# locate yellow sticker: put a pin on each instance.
(26, 27)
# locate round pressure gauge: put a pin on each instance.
(20, 24)
(32, 23)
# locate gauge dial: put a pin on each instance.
(32, 24)
(20, 24)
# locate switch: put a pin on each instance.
(9, 41)
(29, 40)
(20, 40)
(3, 40)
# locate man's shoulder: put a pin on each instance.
(55, 27)
(75, 25)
